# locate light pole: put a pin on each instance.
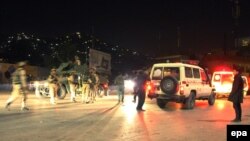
(236, 15)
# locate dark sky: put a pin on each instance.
(146, 25)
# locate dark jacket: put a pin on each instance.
(236, 94)
(141, 82)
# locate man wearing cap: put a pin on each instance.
(19, 84)
(53, 85)
(236, 94)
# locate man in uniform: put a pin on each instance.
(53, 85)
(94, 78)
(86, 86)
(72, 86)
(119, 81)
(19, 84)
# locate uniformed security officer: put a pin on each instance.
(119, 81)
(19, 84)
(53, 85)
(86, 86)
(72, 85)
(94, 84)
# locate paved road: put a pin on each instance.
(105, 120)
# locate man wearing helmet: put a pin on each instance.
(53, 85)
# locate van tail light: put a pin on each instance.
(149, 87)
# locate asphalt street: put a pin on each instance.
(106, 120)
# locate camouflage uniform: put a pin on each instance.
(72, 86)
(86, 87)
(119, 81)
(53, 85)
(94, 84)
(19, 84)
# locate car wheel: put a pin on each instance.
(161, 103)
(169, 85)
(211, 98)
(190, 101)
(61, 92)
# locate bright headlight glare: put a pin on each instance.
(129, 84)
(36, 84)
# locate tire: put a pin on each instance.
(211, 98)
(44, 93)
(169, 85)
(190, 101)
(161, 103)
(61, 93)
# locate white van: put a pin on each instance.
(180, 82)
(222, 82)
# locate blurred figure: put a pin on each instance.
(236, 94)
(141, 81)
(53, 85)
(77, 60)
(135, 86)
(19, 84)
(72, 86)
(119, 81)
(94, 79)
(86, 81)
(96, 85)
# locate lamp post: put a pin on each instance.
(236, 15)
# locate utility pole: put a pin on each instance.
(92, 36)
(178, 39)
(236, 15)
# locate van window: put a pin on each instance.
(188, 72)
(203, 76)
(157, 73)
(172, 71)
(196, 73)
(224, 78)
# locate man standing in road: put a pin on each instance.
(53, 85)
(141, 80)
(85, 84)
(236, 94)
(94, 79)
(19, 84)
(119, 81)
(72, 86)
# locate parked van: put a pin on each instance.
(222, 82)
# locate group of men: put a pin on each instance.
(88, 84)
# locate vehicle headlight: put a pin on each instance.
(129, 84)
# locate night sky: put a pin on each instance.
(144, 25)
